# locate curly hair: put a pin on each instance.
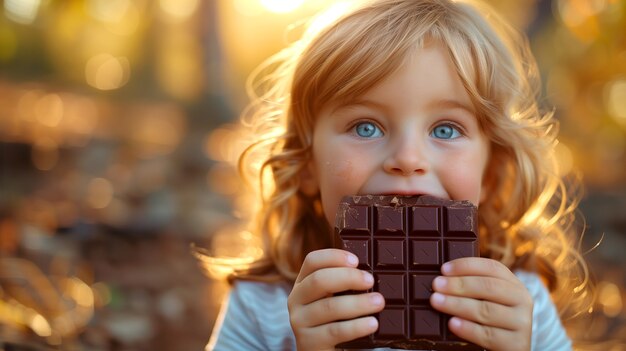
(526, 220)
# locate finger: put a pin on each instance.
(480, 311)
(331, 334)
(478, 266)
(485, 288)
(327, 281)
(325, 258)
(336, 308)
(488, 337)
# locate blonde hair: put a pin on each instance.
(526, 218)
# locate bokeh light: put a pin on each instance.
(179, 9)
(106, 72)
(111, 11)
(120, 17)
(49, 110)
(40, 325)
(609, 296)
(21, 11)
(281, 6)
(220, 144)
(99, 193)
(155, 130)
(616, 100)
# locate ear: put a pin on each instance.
(309, 185)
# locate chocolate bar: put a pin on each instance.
(403, 241)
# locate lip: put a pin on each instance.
(402, 193)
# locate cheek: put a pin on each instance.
(339, 166)
(340, 173)
(340, 170)
(464, 178)
(335, 180)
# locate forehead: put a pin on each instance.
(426, 72)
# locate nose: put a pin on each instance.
(407, 158)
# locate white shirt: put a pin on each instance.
(255, 317)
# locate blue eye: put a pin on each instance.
(445, 131)
(368, 130)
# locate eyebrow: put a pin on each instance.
(359, 102)
(452, 104)
(437, 104)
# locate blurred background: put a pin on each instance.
(116, 122)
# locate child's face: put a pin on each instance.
(413, 133)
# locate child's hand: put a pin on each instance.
(491, 307)
(320, 320)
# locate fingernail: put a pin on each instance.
(368, 278)
(446, 267)
(376, 300)
(372, 323)
(352, 260)
(438, 298)
(455, 322)
(440, 283)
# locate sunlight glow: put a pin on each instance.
(179, 9)
(111, 11)
(329, 16)
(616, 96)
(21, 11)
(281, 6)
(249, 8)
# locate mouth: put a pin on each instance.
(402, 193)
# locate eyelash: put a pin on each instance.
(459, 129)
(355, 125)
(455, 126)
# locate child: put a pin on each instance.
(405, 97)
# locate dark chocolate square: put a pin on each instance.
(392, 286)
(426, 323)
(425, 254)
(356, 220)
(392, 323)
(421, 288)
(360, 247)
(390, 253)
(425, 221)
(389, 220)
